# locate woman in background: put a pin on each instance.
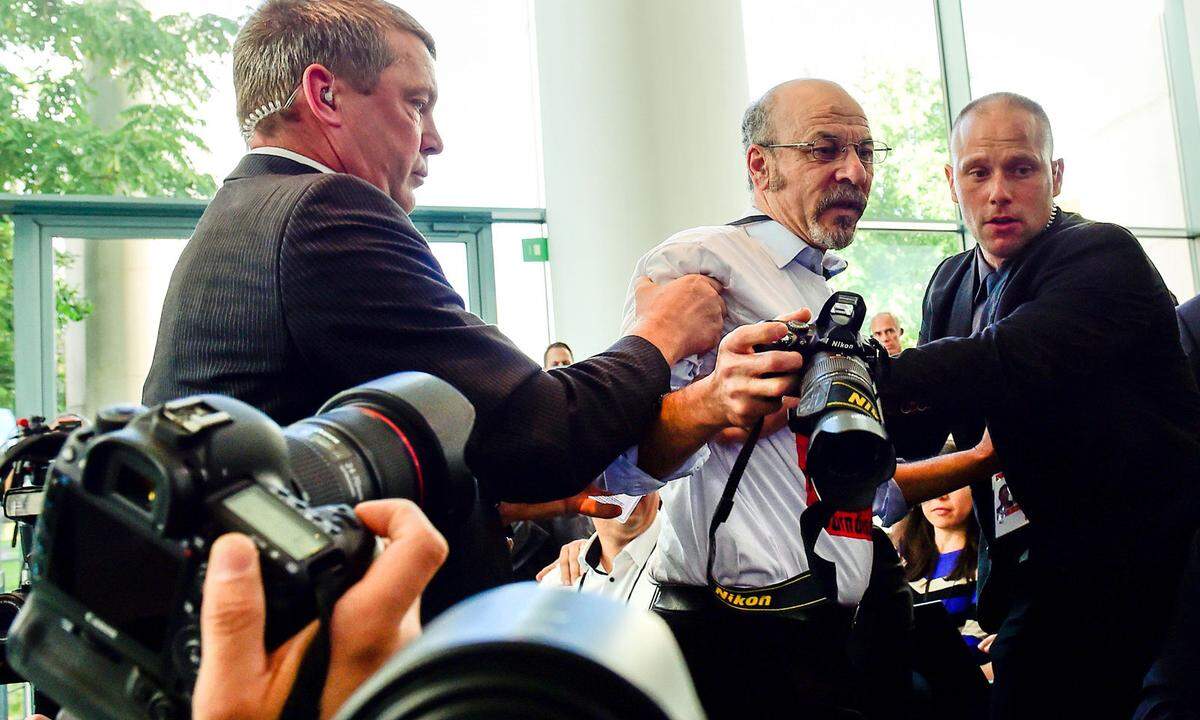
(939, 544)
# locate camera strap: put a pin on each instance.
(790, 596)
(304, 700)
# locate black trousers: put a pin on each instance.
(767, 666)
(1078, 652)
(833, 663)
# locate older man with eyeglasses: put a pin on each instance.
(760, 631)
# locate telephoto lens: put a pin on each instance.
(849, 450)
(401, 436)
(521, 653)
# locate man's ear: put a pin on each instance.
(757, 167)
(1056, 170)
(319, 95)
(950, 179)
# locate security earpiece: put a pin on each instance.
(327, 96)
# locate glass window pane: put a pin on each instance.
(1174, 263)
(523, 305)
(453, 258)
(109, 296)
(894, 72)
(891, 270)
(1101, 76)
(487, 110)
(218, 122)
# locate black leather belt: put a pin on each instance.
(794, 598)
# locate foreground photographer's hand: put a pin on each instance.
(681, 318)
(377, 616)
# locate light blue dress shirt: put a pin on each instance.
(767, 271)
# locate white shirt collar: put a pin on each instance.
(784, 246)
(638, 549)
(290, 155)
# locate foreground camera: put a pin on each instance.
(111, 627)
(520, 652)
(25, 461)
(848, 449)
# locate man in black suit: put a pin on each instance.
(305, 277)
(1077, 371)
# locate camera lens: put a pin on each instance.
(850, 452)
(402, 436)
(352, 454)
(10, 605)
(520, 653)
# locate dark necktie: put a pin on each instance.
(990, 284)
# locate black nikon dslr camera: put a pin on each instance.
(132, 505)
(849, 451)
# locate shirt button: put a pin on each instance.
(612, 579)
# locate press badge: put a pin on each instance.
(1007, 511)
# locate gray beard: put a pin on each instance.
(837, 240)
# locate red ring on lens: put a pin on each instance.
(403, 438)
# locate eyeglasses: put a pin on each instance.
(869, 152)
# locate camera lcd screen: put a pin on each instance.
(127, 579)
(275, 521)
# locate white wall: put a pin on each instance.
(641, 106)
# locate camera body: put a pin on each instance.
(849, 452)
(132, 506)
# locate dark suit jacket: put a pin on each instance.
(298, 284)
(1091, 406)
(1188, 315)
(945, 312)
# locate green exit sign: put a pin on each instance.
(535, 249)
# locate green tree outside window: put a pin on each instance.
(50, 141)
(890, 269)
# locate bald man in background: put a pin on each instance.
(886, 329)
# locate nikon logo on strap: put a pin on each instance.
(739, 600)
(789, 597)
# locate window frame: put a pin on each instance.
(38, 219)
(1185, 111)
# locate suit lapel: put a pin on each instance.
(950, 295)
(962, 311)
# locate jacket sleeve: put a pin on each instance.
(364, 297)
(663, 264)
(1093, 299)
